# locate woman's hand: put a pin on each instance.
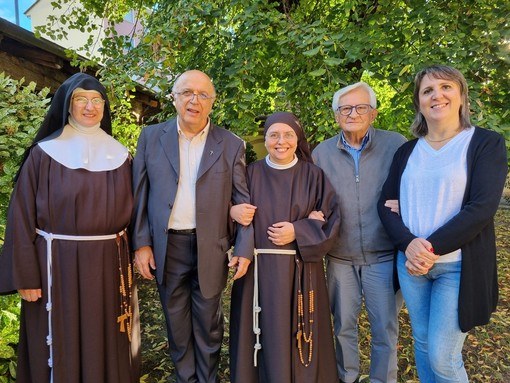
(281, 233)
(243, 213)
(30, 295)
(420, 257)
(393, 205)
(317, 215)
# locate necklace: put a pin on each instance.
(442, 140)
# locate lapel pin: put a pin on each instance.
(211, 153)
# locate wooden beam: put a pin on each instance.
(18, 67)
(33, 54)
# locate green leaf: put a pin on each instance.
(318, 72)
(333, 61)
(312, 52)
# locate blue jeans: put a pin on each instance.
(432, 302)
(348, 285)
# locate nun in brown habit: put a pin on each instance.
(280, 324)
(66, 250)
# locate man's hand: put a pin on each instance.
(241, 264)
(319, 215)
(393, 205)
(144, 262)
(243, 213)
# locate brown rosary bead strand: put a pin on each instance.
(301, 331)
(125, 294)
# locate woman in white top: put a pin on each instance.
(66, 251)
(448, 182)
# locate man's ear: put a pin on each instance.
(375, 112)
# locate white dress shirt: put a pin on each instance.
(190, 154)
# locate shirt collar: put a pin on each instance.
(202, 135)
(363, 143)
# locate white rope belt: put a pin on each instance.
(49, 237)
(256, 306)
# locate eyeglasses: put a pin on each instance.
(287, 136)
(346, 110)
(189, 95)
(82, 101)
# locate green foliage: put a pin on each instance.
(251, 156)
(22, 110)
(264, 56)
(124, 126)
(9, 324)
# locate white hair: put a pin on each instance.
(349, 88)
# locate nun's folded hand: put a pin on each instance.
(281, 233)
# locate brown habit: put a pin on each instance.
(87, 344)
(286, 195)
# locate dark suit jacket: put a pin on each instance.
(221, 181)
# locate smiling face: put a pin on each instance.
(440, 101)
(193, 112)
(355, 125)
(281, 143)
(86, 114)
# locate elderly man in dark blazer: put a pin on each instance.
(187, 173)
